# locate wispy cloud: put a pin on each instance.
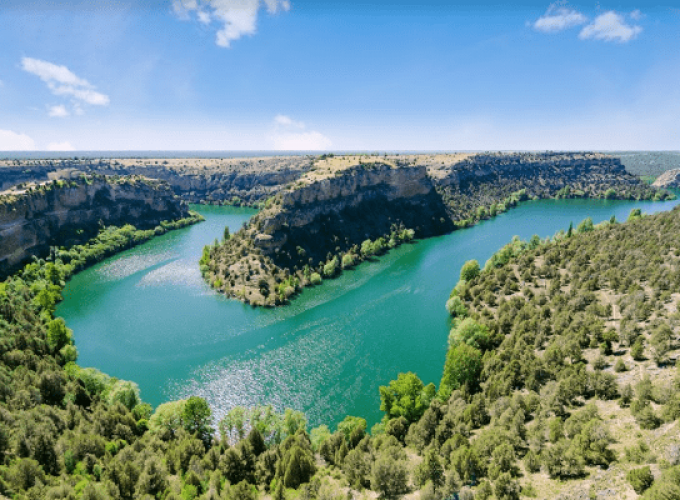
(237, 17)
(287, 121)
(636, 15)
(60, 146)
(63, 82)
(611, 27)
(558, 18)
(13, 141)
(291, 135)
(58, 111)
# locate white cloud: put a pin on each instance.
(636, 15)
(11, 141)
(610, 27)
(58, 111)
(286, 121)
(203, 17)
(238, 17)
(559, 18)
(290, 135)
(60, 146)
(63, 82)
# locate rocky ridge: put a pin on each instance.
(346, 209)
(63, 213)
(227, 181)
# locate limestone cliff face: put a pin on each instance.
(550, 169)
(13, 175)
(669, 179)
(55, 215)
(360, 203)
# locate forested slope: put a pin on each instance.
(559, 382)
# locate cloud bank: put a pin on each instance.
(63, 82)
(238, 18)
(291, 135)
(12, 141)
(611, 27)
(558, 19)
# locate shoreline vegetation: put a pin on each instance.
(541, 357)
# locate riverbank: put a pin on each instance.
(326, 353)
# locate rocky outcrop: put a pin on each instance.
(361, 203)
(669, 179)
(62, 213)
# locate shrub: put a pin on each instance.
(389, 477)
(640, 479)
(348, 261)
(637, 350)
(315, 279)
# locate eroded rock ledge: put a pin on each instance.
(64, 213)
(346, 209)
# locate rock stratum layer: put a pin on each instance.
(60, 213)
(346, 209)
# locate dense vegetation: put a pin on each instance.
(559, 382)
(217, 266)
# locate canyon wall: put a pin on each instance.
(64, 213)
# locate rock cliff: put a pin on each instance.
(238, 181)
(60, 213)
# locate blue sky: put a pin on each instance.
(340, 75)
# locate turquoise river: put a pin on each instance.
(146, 315)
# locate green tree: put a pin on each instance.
(406, 397)
(196, 417)
(430, 469)
(389, 476)
(468, 331)
(585, 226)
(57, 334)
(469, 271)
(462, 367)
(353, 428)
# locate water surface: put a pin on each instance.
(146, 315)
